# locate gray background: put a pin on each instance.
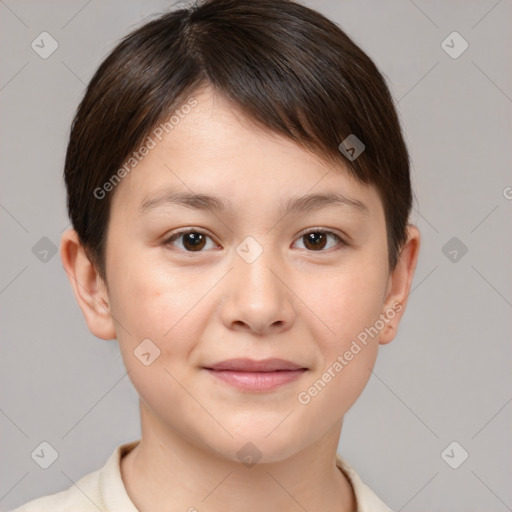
(445, 378)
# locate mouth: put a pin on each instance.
(251, 375)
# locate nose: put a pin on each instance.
(256, 296)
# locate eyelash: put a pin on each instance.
(177, 234)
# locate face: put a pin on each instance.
(245, 275)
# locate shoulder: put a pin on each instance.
(102, 489)
(367, 500)
(80, 497)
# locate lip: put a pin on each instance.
(251, 365)
(252, 375)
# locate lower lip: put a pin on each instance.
(256, 381)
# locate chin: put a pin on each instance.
(255, 446)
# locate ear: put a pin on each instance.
(399, 285)
(90, 291)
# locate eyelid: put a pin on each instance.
(328, 231)
(183, 231)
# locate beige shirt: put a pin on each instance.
(104, 490)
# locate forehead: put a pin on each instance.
(213, 149)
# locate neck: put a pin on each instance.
(165, 472)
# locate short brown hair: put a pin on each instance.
(283, 65)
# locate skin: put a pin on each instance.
(295, 302)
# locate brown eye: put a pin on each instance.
(192, 241)
(317, 240)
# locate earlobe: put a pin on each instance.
(89, 289)
(399, 285)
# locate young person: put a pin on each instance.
(239, 191)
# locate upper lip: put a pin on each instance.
(251, 365)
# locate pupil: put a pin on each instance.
(195, 239)
(316, 239)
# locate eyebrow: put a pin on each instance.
(206, 202)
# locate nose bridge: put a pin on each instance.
(255, 267)
(255, 294)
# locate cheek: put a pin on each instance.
(152, 303)
(157, 335)
(147, 297)
(345, 304)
